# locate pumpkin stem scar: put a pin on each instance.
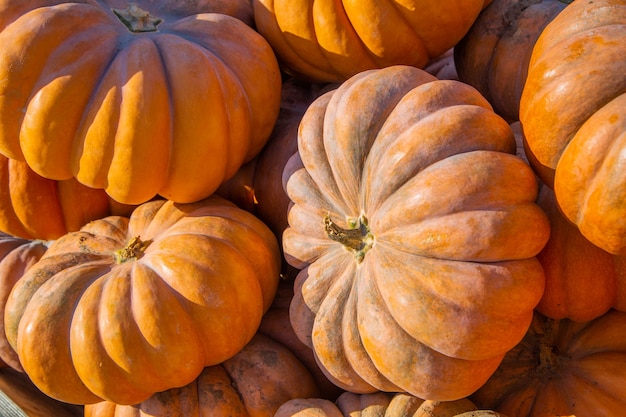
(134, 250)
(136, 19)
(358, 239)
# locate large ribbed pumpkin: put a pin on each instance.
(333, 40)
(127, 307)
(34, 207)
(138, 98)
(573, 115)
(255, 382)
(416, 230)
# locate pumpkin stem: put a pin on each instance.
(551, 360)
(358, 239)
(134, 250)
(136, 19)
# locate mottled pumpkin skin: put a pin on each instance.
(144, 112)
(95, 319)
(253, 383)
(331, 41)
(583, 281)
(34, 207)
(494, 54)
(562, 368)
(573, 115)
(440, 278)
(17, 255)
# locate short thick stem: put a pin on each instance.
(358, 239)
(136, 19)
(134, 250)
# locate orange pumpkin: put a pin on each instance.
(253, 383)
(493, 56)
(582, 281)
(34, 207)
(17, 255)
(331, 41)
(172, 101)
(127, 307)
(562, 368)
(573, 115)
(416, 229)
(380, 404)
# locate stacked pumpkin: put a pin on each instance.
(156, 187)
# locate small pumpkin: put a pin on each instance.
(255, 382)
(415, 229)
(582, 281)
(17, 255)
(34, 207)
(573, 115)
(494, 54)
(174, 91)
(130, 306)
(332, 41)
(562, 368)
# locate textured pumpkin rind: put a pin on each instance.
(325, 41)
(124, 331)
(254, 383)
(208, 114)
(494, 54)
(445, 180)
(562, 368)
(579, 58)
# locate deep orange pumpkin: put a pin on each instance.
(416, 229)
(331, 41)
(173, 100)
(127, 307)
(34, 207)
(582, 281)
(254, 383)
(573, 115)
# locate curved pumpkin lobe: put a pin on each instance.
(136, 19)
(357, 239)
(134, 250)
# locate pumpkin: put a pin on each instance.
(415, 229)
(332, 41)
(34, 207)
(573, 115)
(173, 92)
(582, 281)
(493, 56)
(17, 255)
(253, 383)
(130, 306)
(379, 404)
(562, 368)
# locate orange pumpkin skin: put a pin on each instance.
(17, 255)
(331, 41)
(144, 112)
(404, 184)
(253, 383)
(562, 368)
(34, 207)
(493, 56)
(573, 116)
(142, 304)
(582, 281)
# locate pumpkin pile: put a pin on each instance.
(294, 208)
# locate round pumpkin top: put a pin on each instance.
(138, 98)
(127, 307)
(416, 230)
